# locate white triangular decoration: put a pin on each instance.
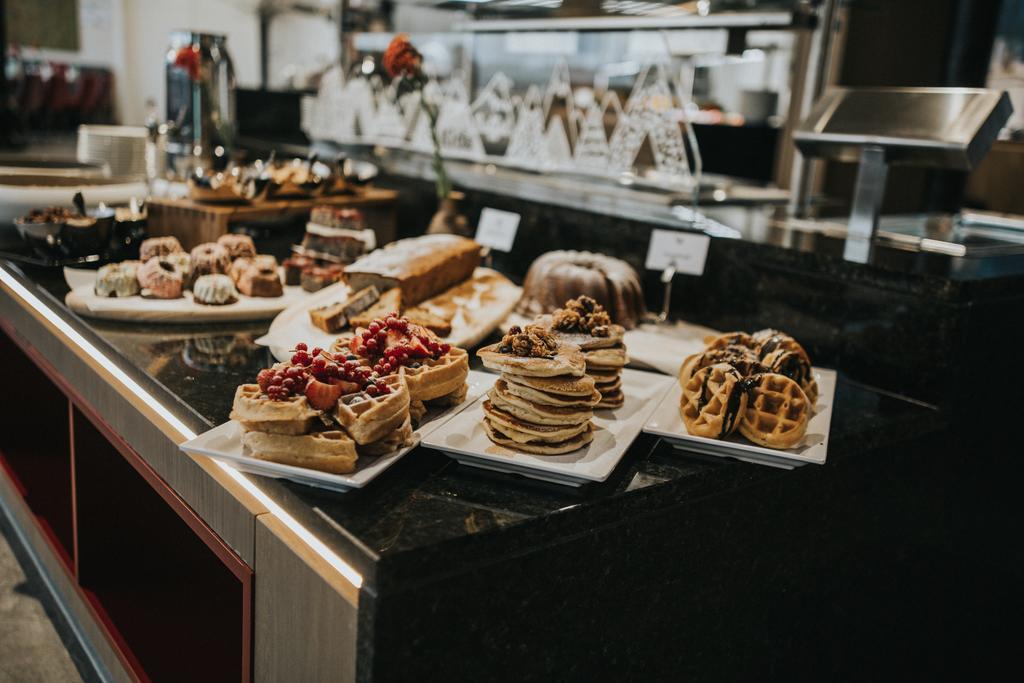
(457, 131)
(556, 145)
(359, 98)
(494, 110)
(389, 125)
(592, 149)
(542, 130)
(525, 144)
(650, 114)
(558, 98)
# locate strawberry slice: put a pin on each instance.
(355, 344)
(322, 395)
(417, 349)
(395, 338)
(346, 387)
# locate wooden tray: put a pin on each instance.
(194, 222)
(83, 301)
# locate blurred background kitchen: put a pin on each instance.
(741, 73)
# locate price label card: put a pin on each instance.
(685, 251)
(497, 229)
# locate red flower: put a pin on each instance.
(187, 59)
(401, 58)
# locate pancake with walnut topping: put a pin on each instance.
(586, 323)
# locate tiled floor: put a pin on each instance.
(31, 650)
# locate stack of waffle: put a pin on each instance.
(544, 401)
(287, 431)
(322, 413)
(760, 385)
(585, 323)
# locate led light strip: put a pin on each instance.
(329, 556)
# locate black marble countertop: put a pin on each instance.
(428, 516)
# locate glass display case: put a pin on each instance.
(676, 99)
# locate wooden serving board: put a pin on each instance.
(195, 222)
(83, 301)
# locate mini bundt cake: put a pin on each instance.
(214, 290)
(183, 262)
(160, 279)
(237, 245)
(158, 246)
(558, 276)
(209, 259)
(118, 279)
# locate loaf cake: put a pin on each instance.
(421, 266)
(333, 317)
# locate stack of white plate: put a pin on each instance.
(122, 148)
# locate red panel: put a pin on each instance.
(35, 446)
(175, 600)
(170, 601)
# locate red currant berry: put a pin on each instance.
(301, 347)
(371, 390)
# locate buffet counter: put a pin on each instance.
(435, 567)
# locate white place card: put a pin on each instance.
(685, 251)
(497, 229)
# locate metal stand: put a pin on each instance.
(867, 204)
(666, 280)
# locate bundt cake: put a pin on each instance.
(209, 259)
(159, 279)
(558, 276)
(158, 246)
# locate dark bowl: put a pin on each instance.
(84, 236)
(45, 238)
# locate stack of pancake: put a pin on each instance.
(585, 323)
(544, 401)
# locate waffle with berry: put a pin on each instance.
(435, 372)
(328, 451)
(289, 414)
(368, 405)
(266, 408)
(371, 417)
(400, 438)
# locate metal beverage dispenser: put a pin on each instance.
(200, 101)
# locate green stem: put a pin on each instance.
(444, 185)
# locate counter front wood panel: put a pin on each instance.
(305, 628)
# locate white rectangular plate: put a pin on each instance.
(667, 423)
(225, 443)
(464, 438)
